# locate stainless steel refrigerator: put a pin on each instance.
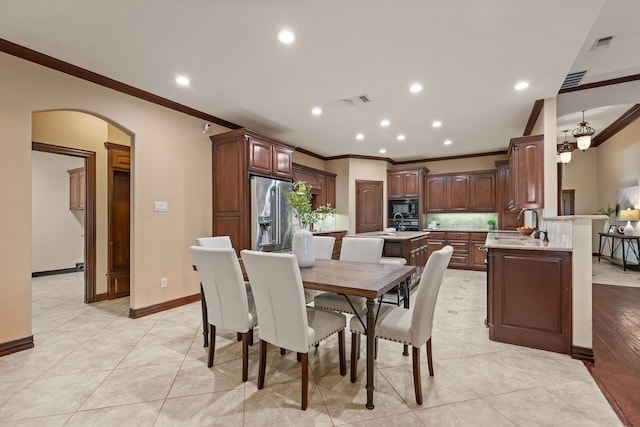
(271, 215)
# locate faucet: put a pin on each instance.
(399, 225)
(536, 231)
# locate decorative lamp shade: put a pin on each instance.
(583, 142)
(629, 215)
(565, 157)
(583, 134)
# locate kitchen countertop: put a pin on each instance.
(513, 240)
(460, 230)
(394, 236)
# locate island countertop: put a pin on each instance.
(394, 235)
(513, 240)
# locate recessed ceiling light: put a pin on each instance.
(521, 85)
(436, 124)
(415, 88)
(286, 36)
(384, 123)
(447, 142)
(359, 137)
(182, 80)
(401, 137)
(316, 111)
(382, 151)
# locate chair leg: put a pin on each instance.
(212, 344)
(262, 363)
(299, 357)
(245, 357)
(305, 380)
(250, 337)
(343, 362)
(417, 385)
(429, 359)
(355, 347)
(238, 336)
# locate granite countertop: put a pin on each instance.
(395, 235)
(460, 230)
(513, 240)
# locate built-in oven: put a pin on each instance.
(408, 208)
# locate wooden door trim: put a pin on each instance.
(89, 212)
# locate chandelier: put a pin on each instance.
(583, 134)
(564, 149)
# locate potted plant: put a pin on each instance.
(492, 224)
(606, 211)
(299, 198)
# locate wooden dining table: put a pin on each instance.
(357, 279)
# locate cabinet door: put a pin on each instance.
(436, 189)
(330, 191)
(395, 185)
(458, 193)
(529, 169)
(282, 162)
(77, 188)
(260, 158)
(477, 255)
(321, 196)
(483, 192)
(411, 181)
(434, 245)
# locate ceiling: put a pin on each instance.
(468, 55)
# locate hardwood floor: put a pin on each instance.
(616, 345)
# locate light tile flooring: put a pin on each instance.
(92, 365)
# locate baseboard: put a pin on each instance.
(135, 313)
(583, 353)
(16, 345)
(53, 272)
(101, 297)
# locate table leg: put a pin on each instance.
(600, 247)
(371, 336)
(624, 258)
(205, 318)
(406, 288)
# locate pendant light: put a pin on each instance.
(565, 149)
(583, 134)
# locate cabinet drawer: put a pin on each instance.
(459, 247)
(457, 236)
(459, 260)
(437, 235)
(478, 237)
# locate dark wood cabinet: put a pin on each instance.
(526, 175)
(529, 297)
(461, 192)
(234, 155)
(466, 248)
(405, 184)
(323, 184)
(506, 216)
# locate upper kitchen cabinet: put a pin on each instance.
(268, 157)
(77, 188)
(235, 154)
(405, 184)
(461, 192)
(526, 171)
(507, 218)
(323, 184)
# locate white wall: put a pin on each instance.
(57, 232)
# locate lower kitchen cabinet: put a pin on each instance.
(529, 298)
(466, 253)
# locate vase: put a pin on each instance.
(303, 247)
(607, 226)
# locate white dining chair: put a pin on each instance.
(219, 242)
(285, 320)
(356, 249)
(229, 306)
(323, 246)
(409, 326)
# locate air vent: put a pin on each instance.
(354, 100)
(602, 42)
(573, 79)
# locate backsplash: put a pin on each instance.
(461, 221)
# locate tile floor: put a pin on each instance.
(92, 365)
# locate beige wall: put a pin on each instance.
(581, 175)
(307, 160)
(373, 170)
(57, 231)
(466, 164)
(171, 162)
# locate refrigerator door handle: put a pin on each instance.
(275, 214)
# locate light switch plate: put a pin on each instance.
(161, 206)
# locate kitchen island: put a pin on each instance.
(410, 245)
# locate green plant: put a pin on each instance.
(605, 211)
(491, 222)
(299, 198)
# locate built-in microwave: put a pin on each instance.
(407, 207)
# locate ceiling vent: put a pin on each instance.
(573, 79)
(355, 100)
(602, 43)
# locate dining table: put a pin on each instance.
(357, 279)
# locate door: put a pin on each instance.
(119, 224)
(368, 206)
(568, 202)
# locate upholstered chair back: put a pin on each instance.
(361, 249)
